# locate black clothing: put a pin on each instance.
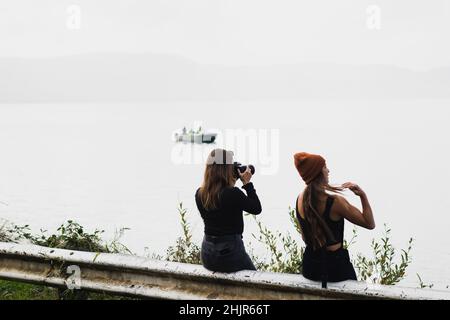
(322, 264)
(225, 254)
(336, 227)
(222, 248)
(228, 218)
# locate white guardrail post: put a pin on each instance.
(147, 278)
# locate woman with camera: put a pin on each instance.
(221, 206)
(321, 217)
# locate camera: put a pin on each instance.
(239, 168)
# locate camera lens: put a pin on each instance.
(242, 168)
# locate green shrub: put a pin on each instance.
(381, 267)
(12, 233)
(71, 236)
(4, 236)
(184, 250)
(422, 285)
(285, 254)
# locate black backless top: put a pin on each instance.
(336, 227)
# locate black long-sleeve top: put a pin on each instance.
(228, 218)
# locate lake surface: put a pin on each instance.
(114, 165)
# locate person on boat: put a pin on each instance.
(221, 205)
(321, 212)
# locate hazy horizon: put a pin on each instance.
(409, 34)
(188, 59)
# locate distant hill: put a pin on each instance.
(148, 77)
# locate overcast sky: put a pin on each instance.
(413, 33)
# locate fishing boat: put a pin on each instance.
(191, 136)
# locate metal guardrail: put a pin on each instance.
(147, 278)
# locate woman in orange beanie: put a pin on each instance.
(321, 215)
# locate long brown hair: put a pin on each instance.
(318, 230)
(219, 174)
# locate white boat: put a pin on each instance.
(194, 137)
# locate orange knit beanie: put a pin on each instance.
(308, 165)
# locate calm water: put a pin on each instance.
(112, 166)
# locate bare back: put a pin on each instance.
(322, 208)
(334, 214)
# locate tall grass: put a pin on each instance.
(70, 235)
(387, 265)
(284, 253)
(3, 234)
(184, 250)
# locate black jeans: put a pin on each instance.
(225, 254)
(336, 265)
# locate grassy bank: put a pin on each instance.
(70, 235)
(11, 290)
